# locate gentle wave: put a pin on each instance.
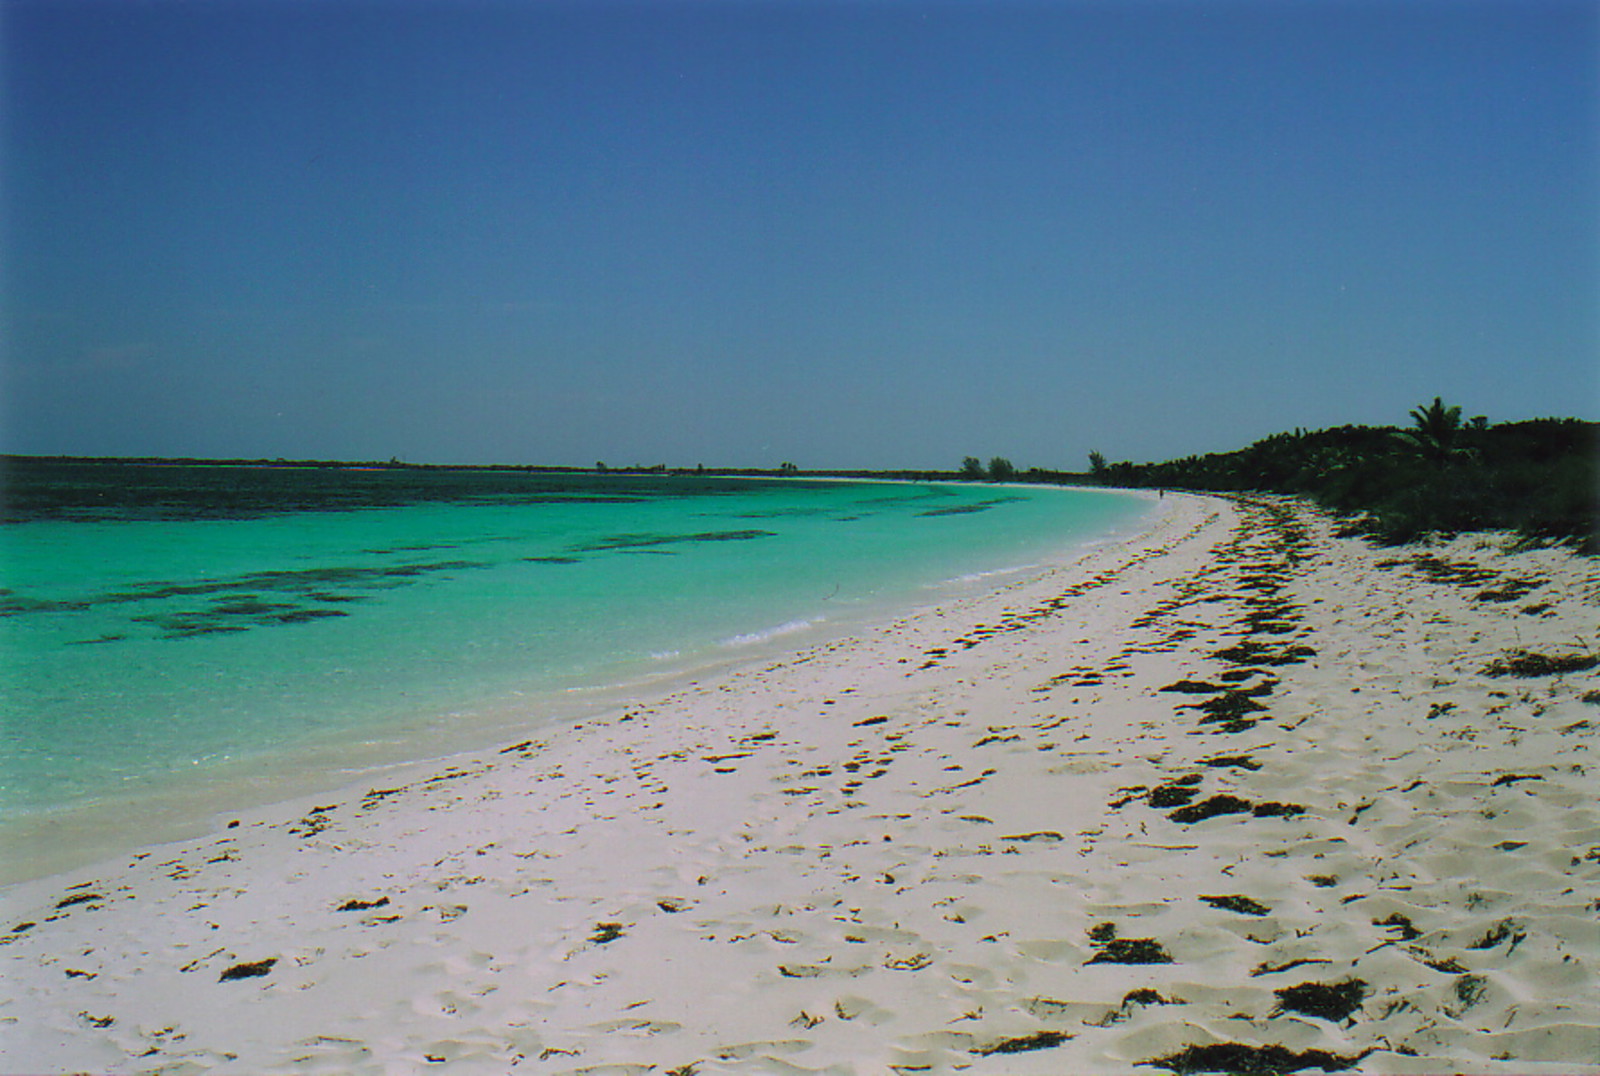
(978, 577)
(787, 628)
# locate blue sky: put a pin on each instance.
(851, 233)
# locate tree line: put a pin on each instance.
(1439, 475)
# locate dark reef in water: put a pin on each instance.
(237, 604)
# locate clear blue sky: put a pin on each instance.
(847, 233)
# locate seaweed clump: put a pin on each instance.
(1229, 705)
(1039, 1040)
(1210, 808)
(1145, 996)
(1173, 795)
(606, 932)
(1330, 1001)
(1193, 687)
(1511, 591)
(1236, 1057)
(1401, 924)
(1527, 663)
(1236, 903)
(1240, 762)
(1251, 652)
(1110, 949)
(1502, 931)
(248, 971)
(77, 898)
(1132, 951)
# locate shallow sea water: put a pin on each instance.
(168, 624)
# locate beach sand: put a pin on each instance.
(1234, 792)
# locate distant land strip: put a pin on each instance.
(1035, 475)
(1444, 474)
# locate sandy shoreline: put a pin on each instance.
(201, 788)
(1234, 791)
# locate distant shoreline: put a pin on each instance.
(1035, 475)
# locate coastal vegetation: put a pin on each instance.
(1440, 475)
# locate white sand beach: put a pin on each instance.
(1233, 792)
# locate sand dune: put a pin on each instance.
(1236, 792)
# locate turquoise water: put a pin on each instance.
(164, 623)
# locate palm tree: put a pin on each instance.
(1435, 429)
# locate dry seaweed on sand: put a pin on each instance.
(1039, 1040)
(1527, 663)
(248, 971)
(1131, 951)
(1506, 929)
(1173, 795)
(1236, 1057)
(1238, 762)
(1438, 570)
(77, 898)
(1400, 923)
(1110, 949)
(1330, 1001)
(1210, 808)
(606, 932)
(1236, 903)
(1251, 652)
(1511, 590)
(1193, 687)
(1229, 705)
(1238, 724)
(1146, 996)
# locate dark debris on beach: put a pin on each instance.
(1526, 663)
(1242, 1060)
(1236, 903)
(1039, 1040)
(252, 970)
(1329, 1001)
(1110, 949)
(1210, 808)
